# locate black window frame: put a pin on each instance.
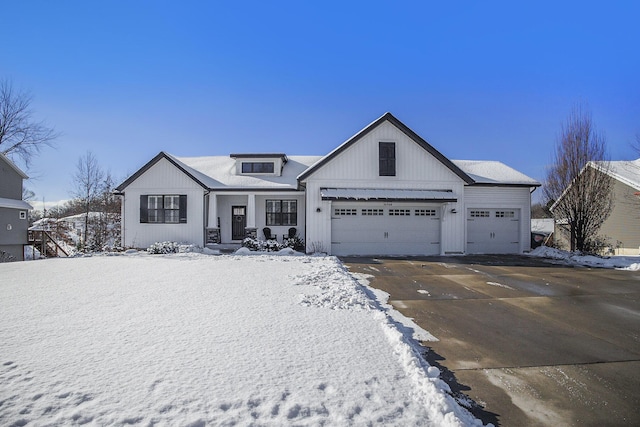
(386, 158)
(163, 214)
(258, 167)
(279, 217)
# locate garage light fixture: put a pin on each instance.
(454, 211)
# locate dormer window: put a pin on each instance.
(257, 167)
(260, 163)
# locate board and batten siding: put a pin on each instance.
(357, 167)
(479, 197)
(163, 178)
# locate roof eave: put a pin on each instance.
(13, 166)
(161, 155)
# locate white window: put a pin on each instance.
(282, 212)
(480, 214)
(505, 214)
(425, 212)
(372, 212)
(172, 209)
(345, 212)
(163, 209)
(23, 214)
(399, 212)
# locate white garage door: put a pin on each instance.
(376, 229)
(493, 231)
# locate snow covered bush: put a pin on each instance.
(295, 243)
(170, 248)
(261, 245)
(163, 248)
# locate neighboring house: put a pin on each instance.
(13, 211)
(622, 227)
(385, 191)
(542, 232)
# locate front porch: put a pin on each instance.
(233, 216)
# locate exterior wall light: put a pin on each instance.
(453, 211)
(318, 210)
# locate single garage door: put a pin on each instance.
(375, 229)
(493, 231)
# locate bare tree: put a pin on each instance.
(20, 134)
(577, 184)
(87, 182)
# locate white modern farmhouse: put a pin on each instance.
(385, 191)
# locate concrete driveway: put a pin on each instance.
(530, 342)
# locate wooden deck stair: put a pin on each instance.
(46, 244)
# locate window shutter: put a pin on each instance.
(183, 208)
(144, 212)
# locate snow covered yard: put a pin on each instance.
(631, 263)
(191, 339)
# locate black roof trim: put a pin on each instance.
(256, 189)
(504, 184)
(161, 155)
(282, 156)
(397, 123)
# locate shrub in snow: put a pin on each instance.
(170, 248)
(261, 245)
(295, 243)
(6, 257)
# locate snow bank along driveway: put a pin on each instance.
(200, 340)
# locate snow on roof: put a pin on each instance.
(627, 172)
(14, 204)
(220, 172)
(542, 225)
(494, 172)
(384, 194)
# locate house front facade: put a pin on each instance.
(13, 211)
(385, 191)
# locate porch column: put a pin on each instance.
(251, 230)
(251, 211)
(213, 211)
(212, 232)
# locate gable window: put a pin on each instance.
(387, 157)
(282, 212)
(163, 209)
(257, 167)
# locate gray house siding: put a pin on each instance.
(623, 225)
(621, 230)
(13, 218)
(10, 182)
(13, 232)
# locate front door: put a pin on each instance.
(238, 222)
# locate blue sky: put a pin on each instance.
(478, 80)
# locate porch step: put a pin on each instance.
(224, 248)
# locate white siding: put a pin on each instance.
(478, 197)
(163, 178)
(357, 167)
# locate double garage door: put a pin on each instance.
(378, 229)
(493, 231)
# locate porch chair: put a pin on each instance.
(290, 235)
(267, 234)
